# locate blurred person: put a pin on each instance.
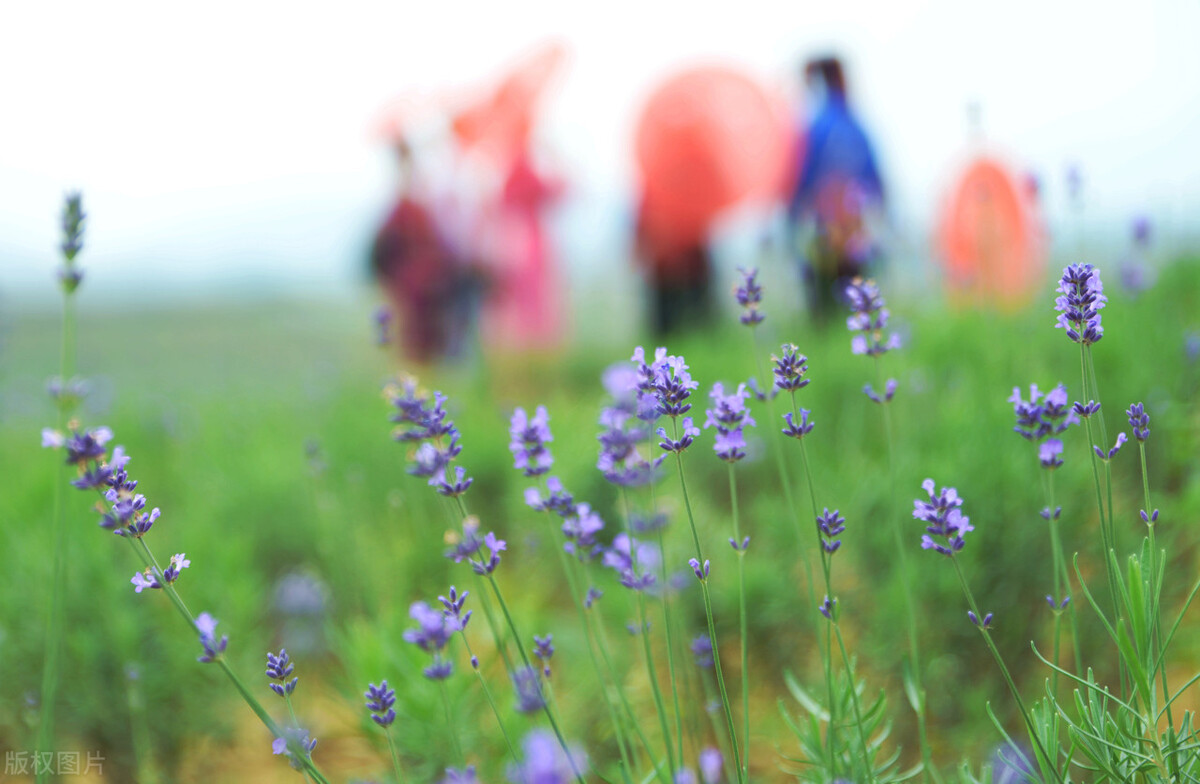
(417, 271)
(524, 306)
(838, 185)
(678, 272)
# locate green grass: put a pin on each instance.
(216, 405)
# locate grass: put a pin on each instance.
(217, 404)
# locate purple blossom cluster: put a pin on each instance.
(279, 667)
(868, 319)
(634, 562)
(380, 700)
(425, 421)
(206, 625)
(471, 546)
(790, 368)
(831, 525)
(149, 579)
(581, 529)
(432, 634)
(529, 436)
(730, 417)
(1042, 416)
(666, 379)
(1081, 298)
(544, 761)
(1139, 420)
(749, 296)
(70, 276)
(944, 519)
(620, 461)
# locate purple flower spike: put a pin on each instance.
(944, 519)
(295, 743)
(464, 776)
(759, 393)
(888, 393)
(1042, 416)
(1085, 410)
(1110, 454)
(1139, 420)
(557, 500)
(749, 296)
(528, 686)
(828, 607)
(1058, 606)
(1047, 514)
(383, 322)
(1050, 453)
(831, 525)
(869, 319)
(593, 596)
(206, 625)
(701, 572)
(702, 651)
(453, 606)
(529, 438)
(690, 431)
(798, 429)
(1149, 518)
(1081, 297)
(667, 380)
(740, 548)
(279, 667)
(712, 764)
(986, 623)
(543, 649)
(380, 700)
(790, 368)
(543, 761)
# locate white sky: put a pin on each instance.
(230, 142)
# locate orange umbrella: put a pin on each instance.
(499, 124)
(709, 138)
(990, 235)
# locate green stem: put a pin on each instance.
(56, 612)
(1012, 686)
(395, 755)
(712, 628)
(1155, 565)
(914, 650)
(512, 750)
(450, 728)
(858, 721)
(741, 562)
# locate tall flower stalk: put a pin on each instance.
(65, 392)
(868, 322)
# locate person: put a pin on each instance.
(837, 187)
(415, 268)
(678, 272)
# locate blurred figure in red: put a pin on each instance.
(418, 273)
(838, 185)
(678, 271)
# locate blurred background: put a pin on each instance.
(286, 207)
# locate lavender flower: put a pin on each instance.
(149, 578)
(543, 649)
(470, 544)
(418, 420)
(944, 519)
(798, 429)
(888, 393)
(296, 744)
(543, 761)
(749, 296)
(711, 765)
(1047, 514)
(557, 499)
(667, 379)
(72, 241)
(593, 596)
(1050, 453)
(456, 776)
(380, 700)
(869, 319)
(383, 322)
(580, 529)
(279, 667)
(668, 444)
(729, 416)
(433, 632)
(528, 686)
(1085, 410)
(453, 605)
(759, 393)
(1081, 297)
(619, 460)
(828, 607)
(1149, 518)
(1110, 454)
(207, 626)
(831, 524)
(1139, 420)
(1041, 416)
(529, 439)
(701, 571)
(1058, 606)
(634, 561)
(739, 547)
(702, 651)
(985, 623)
(790, 368)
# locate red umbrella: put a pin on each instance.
(499, 124)
(709, 138)
(990, 235)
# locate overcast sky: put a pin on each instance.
(232, 141)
